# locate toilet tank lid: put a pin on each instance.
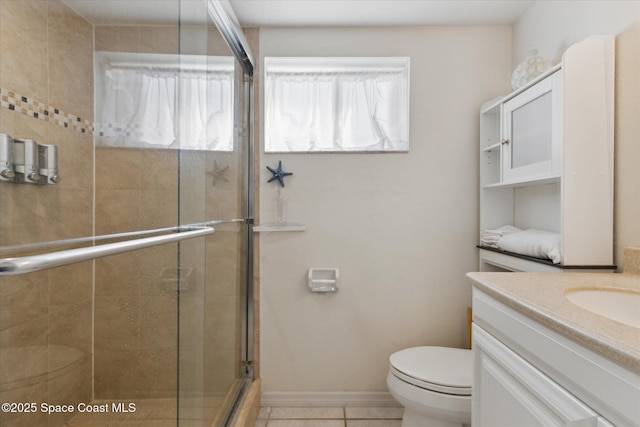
(452, 367)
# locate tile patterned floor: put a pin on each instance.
(277, 416)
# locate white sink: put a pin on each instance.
(621, 305)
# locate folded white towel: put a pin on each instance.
(490, 237)
(535, 243)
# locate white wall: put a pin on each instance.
(552, 26)
(401, 227)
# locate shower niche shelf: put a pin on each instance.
(279, 226)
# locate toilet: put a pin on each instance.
(433, 384)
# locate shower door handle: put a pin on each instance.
(28, 264)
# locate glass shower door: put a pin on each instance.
(213, 189)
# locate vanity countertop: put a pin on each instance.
(540, 296)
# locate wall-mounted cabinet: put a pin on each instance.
(532, 143)
(546, 161)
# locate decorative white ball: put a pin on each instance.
(529, 69)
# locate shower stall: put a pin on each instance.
(126, 210)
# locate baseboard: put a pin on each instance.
(327, 398)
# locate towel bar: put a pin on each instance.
(28, 264)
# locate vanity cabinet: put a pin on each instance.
(546, 161)
(526, 374)
(513, 392)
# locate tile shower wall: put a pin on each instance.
(135, 310)
(45, 317)
(135, 313)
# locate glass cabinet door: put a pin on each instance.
(529, 122)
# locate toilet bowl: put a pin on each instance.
(433, 384)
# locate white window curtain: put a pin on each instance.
(336, 104)
(164, 101)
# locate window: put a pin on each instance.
(336, 104)
(164, 101)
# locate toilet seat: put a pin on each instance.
(440, 369)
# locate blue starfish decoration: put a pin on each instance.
(278, 173)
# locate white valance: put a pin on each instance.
(164, 101)
(336, 104)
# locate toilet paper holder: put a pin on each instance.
(323, 279)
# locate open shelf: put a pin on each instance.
(542, 180)
(546, 262)
(492, 147)
(277, 226)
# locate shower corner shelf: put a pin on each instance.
(279, 226)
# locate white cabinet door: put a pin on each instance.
(508, 391)
(531, 132)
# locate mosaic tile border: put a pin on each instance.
(33, 108)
